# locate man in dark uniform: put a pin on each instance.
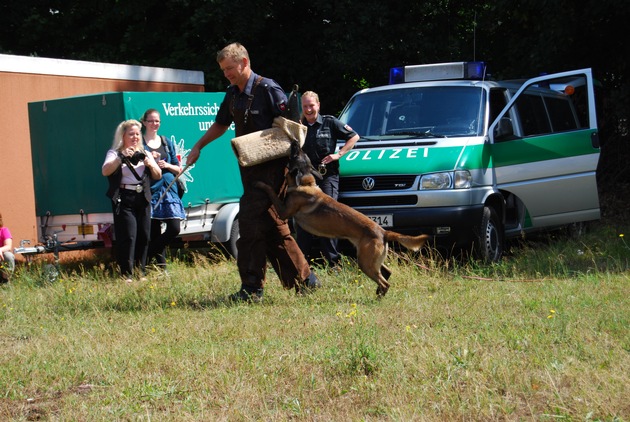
(320, 146)
(252, 102)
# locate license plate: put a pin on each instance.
(383, 220)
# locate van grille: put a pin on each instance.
(394, 182)
(380, 201)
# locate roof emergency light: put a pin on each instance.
(437, 72)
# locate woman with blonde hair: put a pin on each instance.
(129, 169)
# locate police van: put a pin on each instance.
(446, 151)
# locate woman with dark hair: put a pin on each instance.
(169, 212)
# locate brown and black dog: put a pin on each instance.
(321, 215)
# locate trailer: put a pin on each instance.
(69, 140)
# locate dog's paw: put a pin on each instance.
(381, 291)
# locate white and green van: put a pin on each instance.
(446, 151)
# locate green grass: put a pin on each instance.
(543, 335)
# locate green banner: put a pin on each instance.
(70, 137)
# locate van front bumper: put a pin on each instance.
(450, 226)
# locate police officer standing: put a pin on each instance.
(252, 102)
(320, 146)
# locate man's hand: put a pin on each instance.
(192, 156)
(214, 131)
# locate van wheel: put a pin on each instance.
(489, 247)
(235, 233)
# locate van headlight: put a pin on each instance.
(463, 179)
(436, 181)
(460, 179)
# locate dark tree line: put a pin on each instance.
(337, 47)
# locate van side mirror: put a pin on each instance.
(504, 129)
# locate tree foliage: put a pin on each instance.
(333, 47)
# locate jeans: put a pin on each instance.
(8, 265)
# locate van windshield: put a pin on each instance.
(419, 112)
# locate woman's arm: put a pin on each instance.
(112, 163)
(7, 247)
(154, 169)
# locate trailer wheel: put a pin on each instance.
(235, 233)
(489, 242)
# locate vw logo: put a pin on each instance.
(368, 183)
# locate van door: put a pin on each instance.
(545, 150)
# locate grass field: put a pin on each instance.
(543, 335)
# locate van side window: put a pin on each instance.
(533, 115)
(505, 130)
(561, 114)
(498, 102)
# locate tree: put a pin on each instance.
(336, 48)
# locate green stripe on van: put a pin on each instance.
(417, 160)
(542, 148)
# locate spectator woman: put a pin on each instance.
(170, 209)
(7, 259)
(129, 170)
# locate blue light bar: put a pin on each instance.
(438, 72)
(396, 75)
(475, 70)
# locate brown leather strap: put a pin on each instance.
(250, 100)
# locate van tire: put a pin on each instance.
(489, 242)
(230, 245)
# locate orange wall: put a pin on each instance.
(17, 201)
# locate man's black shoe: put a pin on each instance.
(313, 282)
(309, 285)
(243, 295)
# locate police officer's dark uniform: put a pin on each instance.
(262, 233)
(321, 141)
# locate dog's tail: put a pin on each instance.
(410, 242)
